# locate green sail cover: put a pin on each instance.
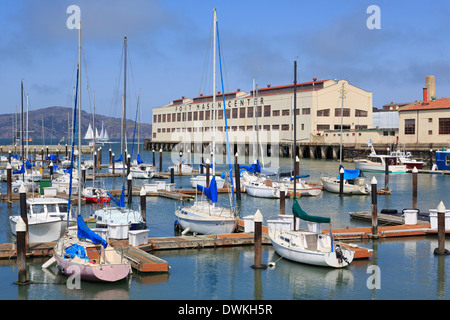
(298, 212)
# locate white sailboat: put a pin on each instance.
(120, 215)
(353, 183)
(306, 246)
(206, 217)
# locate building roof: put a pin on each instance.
(443, 103)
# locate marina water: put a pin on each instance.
(406, 267)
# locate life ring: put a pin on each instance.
(15, 190)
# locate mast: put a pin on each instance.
(124, 123)
(214, 97)
(21, 134)
(79, 119)
(294, 153)
(342, 115)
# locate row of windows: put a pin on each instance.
(283, 127)
(231, 114)
(344, 111)
(444, 126)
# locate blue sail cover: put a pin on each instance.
(29, 165)
(22, 170)
(86, 233)
(121, 201)
(138, 159)
(298, 212)
(210, 192)
(350, 174)
(254, 168)
(120, 159)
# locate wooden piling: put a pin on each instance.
(160, 160)
(172, 175)
(113, 163)
(153, 152)
(440, 250)
(21, 235)
(130, 188)
(143, 195)
(386, 174)
(374, 209)
(207, 173)
(341, 182)
(9, 183)
(237, 176)
(258, 241)
(95, 162)
(414, 192)
(282, 199)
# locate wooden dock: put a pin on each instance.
(386, 219)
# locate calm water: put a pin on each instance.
(407, 267)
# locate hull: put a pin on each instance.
(261, 191)
(332, 185)
(41, 231)
(184, 168)
(311, 257)
(201, 180)
(112, 271)
(412, 164)
(206, 219)
(374, 167)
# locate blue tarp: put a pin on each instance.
(120, 159)
(350, 174)
(86, 233)
(22, 170)
(138, 159)
(121, 201)
(29, 165)
(76, 250)
(256, 168)
(210, 192)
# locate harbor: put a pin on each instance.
(165, 255)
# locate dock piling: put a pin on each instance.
(130, 188)
(258, 241)
(374, 208)
(160, 160)
(9, 183)
(143, 195)
(282, 199)
(237, 176)
(440, 250)
(341, 182)
(207, 172)
(414, 195)
(21, 233)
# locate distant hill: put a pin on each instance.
(56, 122)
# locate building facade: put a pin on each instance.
(267, 111)
(425, 123)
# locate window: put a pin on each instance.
(169, 117)
(430, 132)
(303, 126)
(174, 117)
(178, 117)
(285, 127)
(249, 128)
(285, 112)
(430, 120)
(189, 116)
(323, 113)
(444, 125)
(306, 111)
(159, 118)
(266, 127)
(241, 112)
(250, 112)
(337, 112)
(275, 113)
(200, 115)
(241, 128)
(275, 127)
(207, 115)
(164, 118)
(235, 113)
(344, 127)
(360, 126)
(323, 127)
(195, 115)
(258, 111)
(220, 114)
(266, 111)
(410, 126)
(360, 113)
(154, 118)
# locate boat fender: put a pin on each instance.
(177, 226)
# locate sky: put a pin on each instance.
(169, 49)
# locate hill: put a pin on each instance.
(56, 123)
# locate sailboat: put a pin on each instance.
(206, 217)
(354, 183)
(307, 246)
(120, 215)
(87, 253)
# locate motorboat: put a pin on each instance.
(47, 219)
(377, 163)
(405, 158)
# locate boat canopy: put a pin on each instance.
(350, 174)
(298, 212)
(256, 168)
(210, 192)
(86, 233)
(121, 201)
